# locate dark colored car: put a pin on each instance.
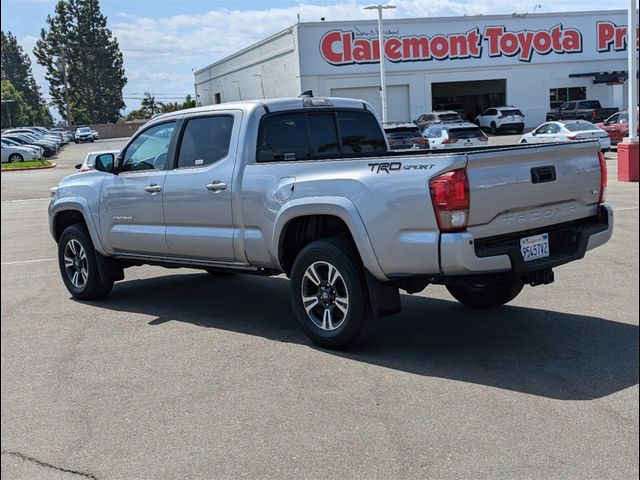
(405, 137)
(589, 110)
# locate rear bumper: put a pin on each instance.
(511, 126)
(461, 254)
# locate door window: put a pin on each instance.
(553, 128)
(541, 129)
(149, 149)
(205, 140)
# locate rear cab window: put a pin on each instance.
(205, 140)
(291, 136)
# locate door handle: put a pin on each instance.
(216, 186)
(153, 188)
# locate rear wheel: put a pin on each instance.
(78, 266)
(493, 127)
(486, 296)
(15, 158)
(329, 294)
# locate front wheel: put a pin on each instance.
(15, 158)
(329, 294)
(78, 266)
(486, 296)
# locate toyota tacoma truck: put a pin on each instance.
(308, 188)
(581, 110)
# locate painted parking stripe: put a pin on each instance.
(20, 262)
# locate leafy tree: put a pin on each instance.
(149, 104)
(13, 106)
(189, 102)
(77, 40)
(16, 68)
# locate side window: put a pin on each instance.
(542, 129)
(322, 134)
(553, 128)
(360, 133)
(492, 112)
(149, 150)
(205, 141)
(623, 118)
(283, 137)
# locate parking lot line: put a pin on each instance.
(19, 262)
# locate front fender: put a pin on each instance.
(339, 207)
(80, 205)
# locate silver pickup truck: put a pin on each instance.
(308, 187)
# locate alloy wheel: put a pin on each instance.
(325, 296)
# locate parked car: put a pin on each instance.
(567, 131)
(38, 151)
(617, 126)
(456, 107)
(405, 136)
(454, 135)
(501, 119)
(90, 160)
(48, 148)
(581, 110)
(83, 134)
(95, 134)
(17, 154)
(213, 188)
(443, 116)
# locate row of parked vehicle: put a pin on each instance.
(447, 129)
(35, 143)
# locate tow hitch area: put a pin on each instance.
(541, 277)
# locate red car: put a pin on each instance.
(617, 126)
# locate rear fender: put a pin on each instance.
(336, 206)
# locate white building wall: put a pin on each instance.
(264, 70)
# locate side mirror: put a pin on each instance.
(79, 166)
(105, 162)
(533, 133)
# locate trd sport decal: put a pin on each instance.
(388, 167)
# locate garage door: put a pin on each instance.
(397, 100)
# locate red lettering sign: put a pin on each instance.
(612, 37)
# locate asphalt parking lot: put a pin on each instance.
(181, 375)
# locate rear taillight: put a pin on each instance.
(593, 115)
(483, 139)
(391, 142)
(603, 178)
(572, 137)
(450, 198)
(419, 140)
(450, 140)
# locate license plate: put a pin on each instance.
(535, 247)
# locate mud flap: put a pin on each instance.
(385, 299)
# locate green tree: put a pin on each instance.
(13, 107)
(16, 68)
(78, 41)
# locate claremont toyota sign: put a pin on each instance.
(473, 41)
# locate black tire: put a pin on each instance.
(15, 158)
(549, 119)
(523, 141)
(85, 265)
(486, 296)
(493, 128)
(349, 284)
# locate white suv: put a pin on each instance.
(454, 135)
(500, 119)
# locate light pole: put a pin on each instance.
(383, 87)
(632, 68)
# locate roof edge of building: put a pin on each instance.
(286, 31)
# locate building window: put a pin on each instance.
(218, 98)
(557, 96)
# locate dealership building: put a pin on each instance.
(531, 61)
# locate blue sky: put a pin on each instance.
(163, 40)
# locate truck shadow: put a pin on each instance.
(539, 352)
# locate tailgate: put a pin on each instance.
(528, 187)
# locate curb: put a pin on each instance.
(53, 165)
